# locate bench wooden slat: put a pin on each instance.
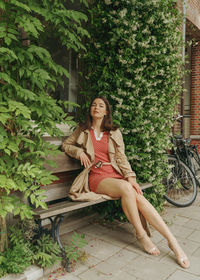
(64, 163)
(56, 191)
(64, 207)
(145, 185)
(61, 190)
(67, 206)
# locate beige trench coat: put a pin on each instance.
(80, 141)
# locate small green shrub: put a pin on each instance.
(73, 248)
(46, 252)
(16, 259)
(24, 250)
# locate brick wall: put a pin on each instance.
(195, 95)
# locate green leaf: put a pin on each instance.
(20, 5)
(13, 147)
(4, 117)
(7, 40)
(2, 5)
(9, 52)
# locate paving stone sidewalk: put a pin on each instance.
(113, 252)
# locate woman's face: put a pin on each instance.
(98, 109)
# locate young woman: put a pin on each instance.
(99, 146)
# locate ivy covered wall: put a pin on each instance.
(134, 58)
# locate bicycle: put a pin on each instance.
(194, 162)
(181, 187)
(189, 154)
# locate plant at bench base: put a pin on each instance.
(46, 252)
(73, 248)
(28, 76)
(23, 253)
(19, 255)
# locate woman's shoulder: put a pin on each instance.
(116, 135)
(116, 132)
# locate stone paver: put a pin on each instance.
(193, 224)
(100, 248)
(180, 231)
(119, 237)
(195, 236)
(146, 268)
(182, 275)
(83, 266)
(68, 276)
(122, 258)
(122, 275)
(197, 253)
(33, 272)
(93, 274)
(188, 246)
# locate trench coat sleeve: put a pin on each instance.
(121, 158)
(70, 145)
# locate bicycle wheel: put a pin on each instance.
(181, 188)
(195, 162)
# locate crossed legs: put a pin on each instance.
(132, 202)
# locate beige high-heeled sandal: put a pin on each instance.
(182, 261)
(152, 251)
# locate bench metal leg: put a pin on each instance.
(52, 230)
(57, 222)
(39, 230)
(55, 234)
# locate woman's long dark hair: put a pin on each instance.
(107, 123)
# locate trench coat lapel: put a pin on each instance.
(89, 146)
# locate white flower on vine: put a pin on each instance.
(107, 2)
(145, 31)
(129, 84)
(123, 13)
(97, 45)
(116, 21)
(144, 60)
(150, 21)
(148, 150)
(135, 157)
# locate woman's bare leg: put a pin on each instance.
(153, 218)
(122, 189)
(131, 202)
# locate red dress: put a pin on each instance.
(101, 154)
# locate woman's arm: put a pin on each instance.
(125, 166)
(70, 147)
(133, 182)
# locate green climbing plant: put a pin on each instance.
(28, 76)
(134, 59)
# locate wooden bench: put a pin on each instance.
(57, 196)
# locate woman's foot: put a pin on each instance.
(181, 257)
(147, 244)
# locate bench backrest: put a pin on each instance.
(67, 169)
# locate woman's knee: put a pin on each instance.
(141, 201)
(127, 189)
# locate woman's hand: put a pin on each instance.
(136, 186)
(85, 160)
